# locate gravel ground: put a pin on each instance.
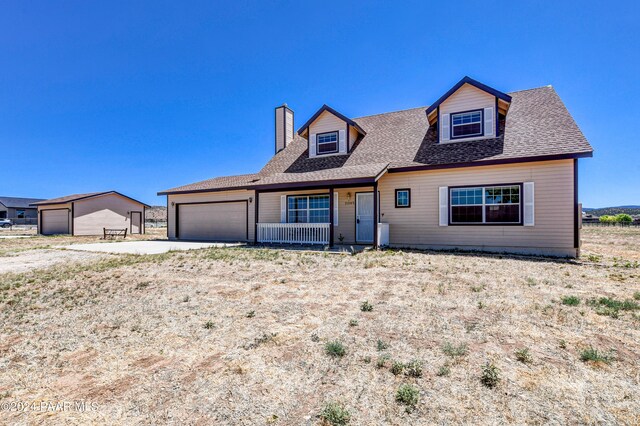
(237, 336)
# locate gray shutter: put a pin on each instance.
(335, 209)
(444, 205)
(312, 145)
(283, 209)
(444, 127)
(489, 123)
(528, 198)
(342, 141)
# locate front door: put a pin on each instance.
(364, 217)
(136, 223)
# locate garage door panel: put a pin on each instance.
(213, 222)
(55, 222)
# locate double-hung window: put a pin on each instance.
(308, 208)
(403, 198)
(20, 214)
(466, 124)
(327, 143)
(486, 205)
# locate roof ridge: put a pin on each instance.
(547, 86)
(391, 112)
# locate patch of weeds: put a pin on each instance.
(209, 325)
(353, 323)
(477, 289)
(366, 306)
(570, 300)
(591, 354)
(408, 395)
(260, 341)
(186, 299)
(531, 281)
(612, 307)
(622, 263)
(490, 375)
(381, 346)
(335, 414)
(335, 349)
(524, 356)
(441, 289)
(594, 258)
(251, 314)
(382, 360)
(397, 368)
(444, 370)
(367, 359)
(562, 344)
(481, 305)
(455, 350)
(315, 338)
(413, 368)
(142, 285)
(636, 295)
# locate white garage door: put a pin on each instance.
(213, 222)
(55, 222)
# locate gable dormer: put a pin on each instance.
(469, 111)
(330, 133)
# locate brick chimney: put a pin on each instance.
(284, 127)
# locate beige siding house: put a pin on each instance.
(89, 214)
(478, 169)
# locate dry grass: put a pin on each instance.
(167, 339)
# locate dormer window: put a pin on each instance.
(466, 124)
(327, 143)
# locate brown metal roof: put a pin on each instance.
(77, 197)
(537, 127)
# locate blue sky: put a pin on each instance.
(140, 96)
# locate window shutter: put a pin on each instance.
(529, 204)
(444, 127)
(283, 209)
(489, 124)
(335, 209)
(342, 141)
(444, 206)
(312, 145)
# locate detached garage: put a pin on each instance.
(89, 214)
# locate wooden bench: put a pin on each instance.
(114, 233)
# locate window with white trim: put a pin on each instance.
(485, 205)
(327, 143)
(466, 124)
(308, 208)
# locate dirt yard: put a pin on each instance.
(245, 336)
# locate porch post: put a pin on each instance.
(255, 218)
(331, 219)
(375, 215)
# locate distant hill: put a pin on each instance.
(632, 210)
(156, 212)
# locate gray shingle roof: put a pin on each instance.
(18, 203)
(537, 126)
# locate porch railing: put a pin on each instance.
(294, 233)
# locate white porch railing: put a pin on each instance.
(300, 233)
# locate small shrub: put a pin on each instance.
(382, 360)
(563, 344)
(366, 306)
(251, 314)
(593, 355)
(335, 414)
(407, 395)
(444, 370)
(481, 305)
(367, 359)
(185, 299)
(490, 375)
(636, 295)
(353, 323)
(455, 351)
(209, 325)
(570, 300)
(397, 368)
(531, 281)
(524, 356)
(477, 289)
(335, 349)
(594, 258)
(315, 338)
(413, 368)
(382, 345)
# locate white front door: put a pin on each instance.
(364, 217)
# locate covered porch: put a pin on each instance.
(343, 213)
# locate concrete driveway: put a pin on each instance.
(145, 247)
